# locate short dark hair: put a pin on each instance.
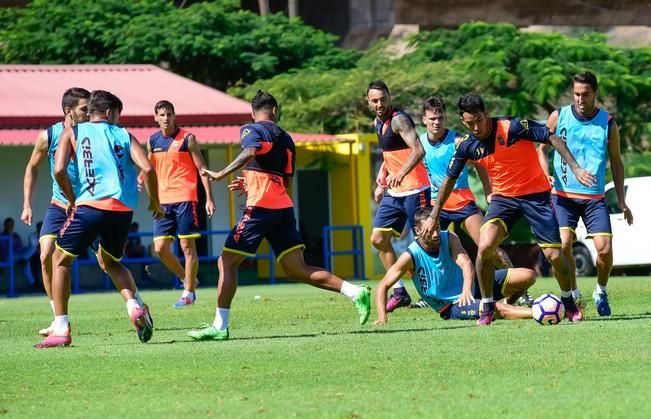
(421, 215)
(263, 100)
(586, 77)
(471, 103)
(101, 100)
(164, 104)
(378, 85)
(71, 97)
(434, 103)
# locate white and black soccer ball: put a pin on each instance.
(548, 309)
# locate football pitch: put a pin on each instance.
(299, 351)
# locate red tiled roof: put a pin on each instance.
(31, 94)
(225, 134)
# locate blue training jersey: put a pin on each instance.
(438, 279)
(103, 156)
(437, 159)
(587, 139)
(53, 134)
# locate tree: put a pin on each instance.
(212, 42)
(517, 73)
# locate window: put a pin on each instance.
(611, 200)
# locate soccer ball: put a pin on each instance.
(548, 309)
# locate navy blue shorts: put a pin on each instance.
(396, 211)
(536, 208)
(472, 311)
(180, 220)
(85, 224)
(278, 226)
(55, 218)
(593, 211)
(458, 216)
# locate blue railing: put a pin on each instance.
(357, 251)
(76, 287)
(9, 263)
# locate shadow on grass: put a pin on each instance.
(352, 332)
(621, 317)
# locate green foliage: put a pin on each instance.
(518, 73)
(211, 42)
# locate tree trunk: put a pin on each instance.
(264, 7)
(293, 8)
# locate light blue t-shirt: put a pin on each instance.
(587, 140)
(437, 159)
(438, 279)
(53, 134)
(103, 158)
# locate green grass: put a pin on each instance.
(299, 351)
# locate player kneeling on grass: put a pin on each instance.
(444, 276)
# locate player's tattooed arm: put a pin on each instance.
(240, 161)
(582, 175)
(401, 125)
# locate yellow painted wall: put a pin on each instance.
(350, 197)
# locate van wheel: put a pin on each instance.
(583, 260)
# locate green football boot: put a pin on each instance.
(209, 333)
(363, 304)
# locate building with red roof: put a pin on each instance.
(32, 101)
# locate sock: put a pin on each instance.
(221, 318)
(136, 295)
(52, 305)
(488, 304)
(566, 294)
(398, 284)
(349, 290)
(60, 325)
(600, 290)
(576, 294)
(187, 293)
(132, 304)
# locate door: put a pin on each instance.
(313, 211)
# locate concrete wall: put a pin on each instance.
(452, 13)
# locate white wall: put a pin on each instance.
(12, 168)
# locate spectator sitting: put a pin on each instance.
(134, 248)
(21, 253)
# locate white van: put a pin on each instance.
(631, 244)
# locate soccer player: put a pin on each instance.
(176, 158)
(592, 135)
(101, 205)
(75, 110)
(269, 157)
(439, 144)
(505, 148)
(444, 277)
(407, 185)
